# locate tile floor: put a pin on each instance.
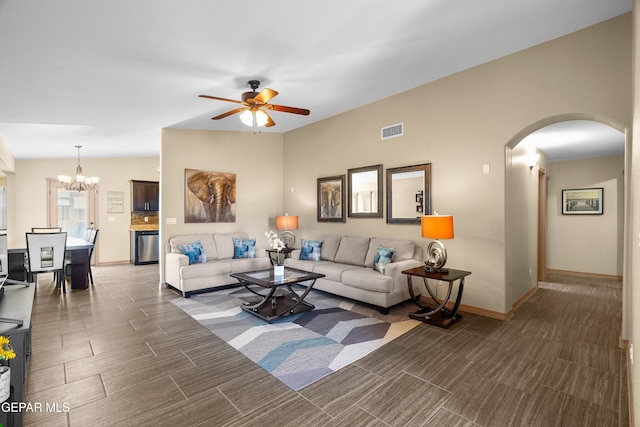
(122, 354)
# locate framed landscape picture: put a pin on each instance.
(331, 199)
(583, 201)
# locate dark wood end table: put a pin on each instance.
(439, 315)
(285, 251)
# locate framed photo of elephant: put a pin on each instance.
(331, 199)
(209, 196)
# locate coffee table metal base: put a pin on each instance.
(277, 303)
(275, 295)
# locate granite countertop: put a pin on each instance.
(143, 227)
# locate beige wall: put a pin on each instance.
(28, 197)
(458, 124)
(257, 161)
(522, 224)
(587, 243)
(631, 299)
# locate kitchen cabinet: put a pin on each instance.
(145, 196)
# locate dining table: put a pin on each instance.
(77, 258)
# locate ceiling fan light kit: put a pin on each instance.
(253, 113)
(254, 118)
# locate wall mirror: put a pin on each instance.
(365, 192)
(408, 194)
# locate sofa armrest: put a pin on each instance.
(172, 264)
(395, 269)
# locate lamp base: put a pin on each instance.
(288, 238)
(430, 268)
(436, 257)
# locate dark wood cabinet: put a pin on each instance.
(16, 303)
(145, 196)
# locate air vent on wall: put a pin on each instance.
(392, 131)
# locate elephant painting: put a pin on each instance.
(209, 196)
(331, 199)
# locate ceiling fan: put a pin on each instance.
(255, 104)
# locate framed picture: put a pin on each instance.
(331, 199)
(583, 201)
(209, 196)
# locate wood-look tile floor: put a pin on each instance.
(122, 354)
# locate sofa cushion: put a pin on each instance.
(330, 244)
(244, 248)
(211, 268)
(206, 240)
(302, 264)
(352, 250)
(310, 250)
(224, 244)
(368, 279)
(194, 252)
(333, 270)
(242, 265)
(403, 249)
(383, 257)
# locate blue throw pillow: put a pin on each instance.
(194, 251)
(244, 248)
(310, 250)
(383, 257)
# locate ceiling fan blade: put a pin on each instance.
(228, 113)
(220, 99)
(265, 95)
(270, 122)
(286, 109)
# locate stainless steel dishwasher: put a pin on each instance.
(145, 247)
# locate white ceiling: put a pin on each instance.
(108, 75)
(577, 139)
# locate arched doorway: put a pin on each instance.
(524, 179)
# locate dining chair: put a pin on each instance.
(87, 238)
(46, 229)
(93, 237)
(87, 233)
(45, 254)
(4, 274)
(4, 259)
(90, 235)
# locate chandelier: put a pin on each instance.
(78, 182)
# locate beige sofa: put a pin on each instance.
(213, 273)
(347, 263)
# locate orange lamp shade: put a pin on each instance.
(286, 222)
(437, 226)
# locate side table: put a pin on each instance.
(440, 315)
(285, 251)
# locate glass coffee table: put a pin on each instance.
(275, 297)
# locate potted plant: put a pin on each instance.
(6, 353)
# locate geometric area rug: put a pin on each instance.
(299, 349)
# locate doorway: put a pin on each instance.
(73, 211)
(566, 138)
(542, 225)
